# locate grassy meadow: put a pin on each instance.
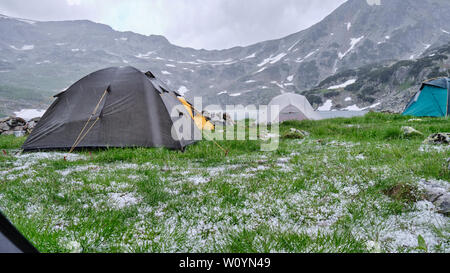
(353, 185)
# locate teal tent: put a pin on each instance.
(432, 100)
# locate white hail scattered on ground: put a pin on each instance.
(304, 211)
(120, 200)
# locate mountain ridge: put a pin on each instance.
(45, 57)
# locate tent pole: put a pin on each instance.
(448, 97)
(80, 135)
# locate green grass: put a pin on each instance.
(352, 184)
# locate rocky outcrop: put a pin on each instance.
(354, 35)
(438, 193)
(439, 138)
(295, 134)
(17, 126)
(383, 87)
(409, 131)
(221, 119)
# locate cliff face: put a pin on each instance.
(386, 87)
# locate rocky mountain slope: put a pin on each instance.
(39, 59)
(380, 87)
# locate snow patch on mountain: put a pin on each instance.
(300, 60)
(292, 47)
(183, 90)
(326, 106)
(352, 108)
(28, 114)
(23, 48)
(43, 62)
(345, 84)
(353, 43)
(144, 55)
(373, 2)
(273, 59)
(251, 56)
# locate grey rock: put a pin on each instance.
(443, 204)
(439, 138)
(4, 126)
(2, 120)
(17, 126)
(438, 194)
(296, 134)
(410, 131)
(217, 118)
(15, 121)
(31, 124)
(433, 194)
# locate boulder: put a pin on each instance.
(438, 194)
(4, 119)
(439, 138)
(15, 121)
(295, 134)
(31, 125)
(410, 131)
(17, 126)
(218, 118)
(228, 119)
(443, 204)
(4, 126)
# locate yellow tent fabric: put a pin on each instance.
(199, 120)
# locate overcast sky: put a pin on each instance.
(210, 24)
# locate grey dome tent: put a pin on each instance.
(114, 107)
(292, 107)
(11, 240)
